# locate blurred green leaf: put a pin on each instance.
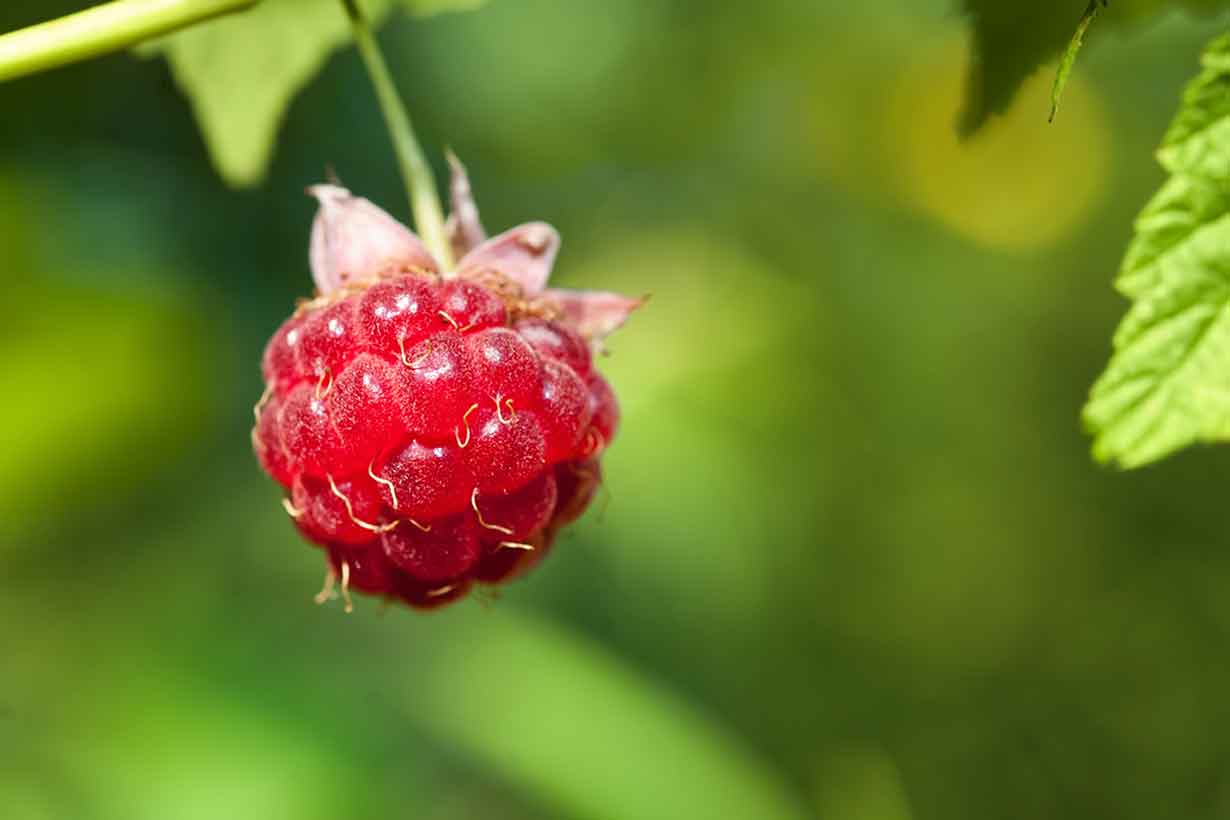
(578, 729)
(198, 753)
(1012, 39)
(423, 8)
(115, 401)
(1168, 382)
(241, 72)
(861, 782)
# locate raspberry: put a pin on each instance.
(604, 418)
(469, 306)
(433, 430)
(397, 314)
(280, 365)
(553, 340)
(336, 512)
(424, 482)
(446, 550)
(564, 409)
(326, 340)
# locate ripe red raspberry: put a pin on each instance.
(433, 429)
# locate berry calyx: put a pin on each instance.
(434, 429)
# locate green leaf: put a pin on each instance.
(1012, 38)
(1069, 54)
(241, 72)
(1168, 381)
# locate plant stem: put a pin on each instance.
(100, 30)
(420, 182)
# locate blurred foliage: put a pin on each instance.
(983, 192)
(1012, 38)
(851, 559)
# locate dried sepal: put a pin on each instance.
(595, 314)
(524, 254)
(465, 229)
(353, 239)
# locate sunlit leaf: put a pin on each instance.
(1168, 382)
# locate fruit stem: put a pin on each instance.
(420, 182)
(101, 30)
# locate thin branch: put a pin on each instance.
(101, 30)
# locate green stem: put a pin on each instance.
(100, 30)
(420, 182)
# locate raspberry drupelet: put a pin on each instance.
(434, 429)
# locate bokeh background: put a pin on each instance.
(852, 560)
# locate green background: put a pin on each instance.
(852, 559)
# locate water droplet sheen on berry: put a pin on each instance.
(396, 314)
(469, 306)
(504, 366)
(280, 363)
(328, 340)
